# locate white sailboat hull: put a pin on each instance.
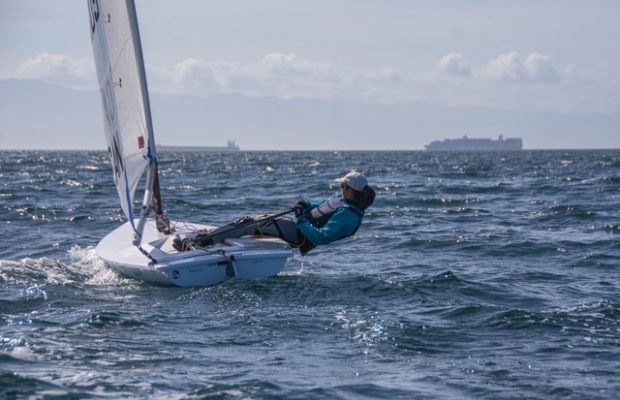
(243, 258)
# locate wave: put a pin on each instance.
(593, 321)
(572, 210)
(13, 385)
(84, 268)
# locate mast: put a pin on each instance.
(152, 195)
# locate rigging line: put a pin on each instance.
(150, 257)
(189, 227)
(129, 202)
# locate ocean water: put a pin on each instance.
(474, 275)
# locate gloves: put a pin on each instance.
(300, 207)
(301, 204)
(244, 220)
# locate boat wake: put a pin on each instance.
(295, 267)
(84, 268)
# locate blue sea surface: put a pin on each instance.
(474, 276)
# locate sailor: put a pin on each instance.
(335, 218)
(314, 223)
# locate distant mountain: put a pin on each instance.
(39, 115)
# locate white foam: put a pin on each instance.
(35, 292)
(24, 353)
(368, 330)
(299, 272)
(86, 261)
(84, 268)
(31, 270)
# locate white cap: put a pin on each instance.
(354, 180)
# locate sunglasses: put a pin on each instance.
(343, 186)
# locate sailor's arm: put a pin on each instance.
(341, 224)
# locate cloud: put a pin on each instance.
(286, 76)
(454, 64)
(189, 76)
(59, 68)
(511, 67)
(275, 74)
(283, 75)
(291, 76)
(539, 68)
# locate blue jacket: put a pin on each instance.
(344, 222)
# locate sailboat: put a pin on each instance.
(142, 248)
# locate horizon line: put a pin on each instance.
(329, 150)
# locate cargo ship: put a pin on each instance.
(476, 144)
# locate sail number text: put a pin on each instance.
(93, 8)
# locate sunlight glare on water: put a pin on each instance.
(474, 275)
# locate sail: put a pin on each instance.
(122, 83)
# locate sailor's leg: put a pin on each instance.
(234, 230)
(283, 228)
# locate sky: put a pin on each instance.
(540, 56)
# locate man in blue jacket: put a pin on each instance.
(314, 223)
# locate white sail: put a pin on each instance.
(152, 255)
(122, 82)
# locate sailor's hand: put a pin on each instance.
(300, 205)
(244, 220)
